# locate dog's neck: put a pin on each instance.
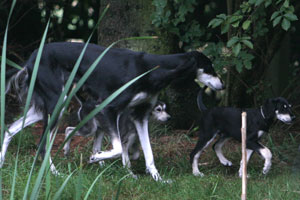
(267, 118)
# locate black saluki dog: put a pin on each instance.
(116, 68)
(226, 122)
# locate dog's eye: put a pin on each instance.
(158, 109)
(285, 106)
(290, 105)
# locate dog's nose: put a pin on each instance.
(293, 117)
(168, 117)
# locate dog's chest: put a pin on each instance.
(260, 133)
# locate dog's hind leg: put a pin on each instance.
(195, 154)
(32, 116)
(218, 149)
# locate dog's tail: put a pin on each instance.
(17, 80)
(200, 103)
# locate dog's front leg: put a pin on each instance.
(142, 130)
(249, 154)
(267, 155)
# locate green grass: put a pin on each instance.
(171, 155)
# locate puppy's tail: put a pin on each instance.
(200, 103)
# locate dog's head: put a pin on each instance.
(280, 108)
(206, 73)
(159, 112)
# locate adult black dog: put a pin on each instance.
(226, 122)
(116, 68)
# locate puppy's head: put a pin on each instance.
(159, 112)
(280, 108)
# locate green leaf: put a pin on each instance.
(248, 43)
(286, 4)
(275, 14)
(268, 3)
(222, 16)
(239, 66)
(258, 2)
(232, 41)
(215, 22)
(291, 17)
(225, 28)
(277, 20)
(236, 24)
(236, 49)
(248, 64)
(246, 24)
(286, 24)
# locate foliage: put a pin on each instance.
(248, 23)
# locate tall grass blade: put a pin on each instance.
(11, 63)
(60, 190)
(45, 164)
(96, 179)
(28, 99)
(2, 90)
(119, 186)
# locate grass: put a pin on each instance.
(171, 155)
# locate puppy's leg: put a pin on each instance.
(267, 155)
(218, 149)
(249, 154)
(114, 153)
(125, 154)
(68, 131)
(98, 144)
(194, 156)
(31, 117)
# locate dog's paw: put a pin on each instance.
(265, 171)
(199, 174)
(101, 163)
(226, 163)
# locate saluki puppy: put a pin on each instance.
(126, 128)
(226, 122)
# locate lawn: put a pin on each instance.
(171, 153)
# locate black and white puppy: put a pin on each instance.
(226, 122)
(127, 131)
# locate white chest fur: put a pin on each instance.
(260, 133)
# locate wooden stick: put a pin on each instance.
(244, 156)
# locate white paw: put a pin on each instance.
(241, 175)
(200, 174)
(101, 163)
(227, 163)
(95, 157)
(265, 171)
